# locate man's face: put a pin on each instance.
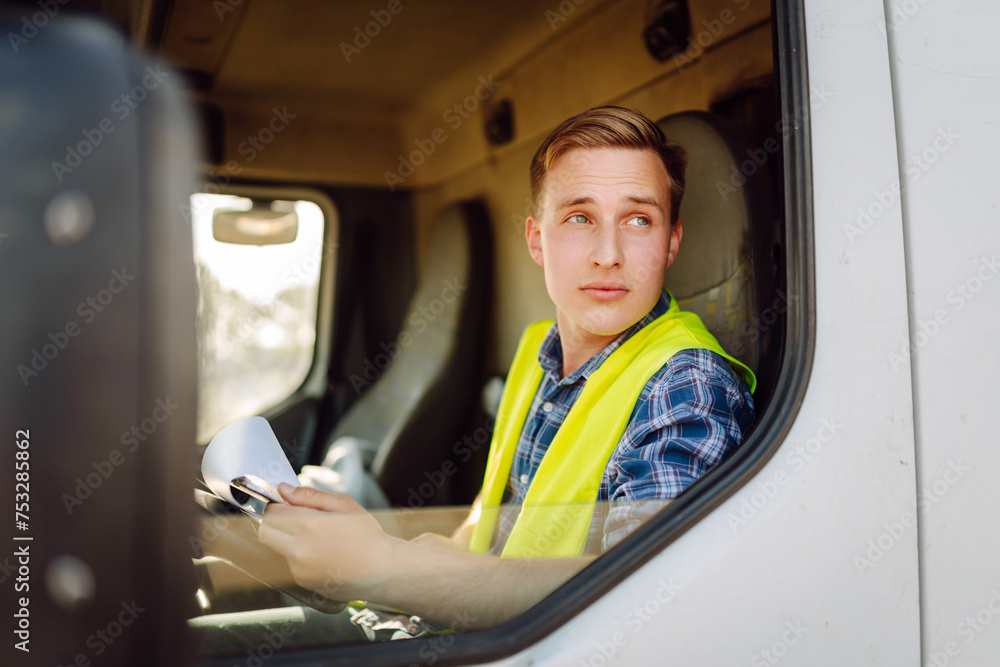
(604, 239)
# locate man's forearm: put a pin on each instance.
(460, 590)
(320, 533)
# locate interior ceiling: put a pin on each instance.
(294, 49)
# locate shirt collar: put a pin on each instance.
(550, 355)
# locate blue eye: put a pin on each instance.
(582, 219)
(639, 221)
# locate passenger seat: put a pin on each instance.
(407, 421)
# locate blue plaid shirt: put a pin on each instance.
(690, 414)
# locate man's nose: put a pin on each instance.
(607, 249)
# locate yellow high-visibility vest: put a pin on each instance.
(555, 519)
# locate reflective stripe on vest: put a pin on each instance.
(555, 518)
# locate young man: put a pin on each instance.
(623, 398)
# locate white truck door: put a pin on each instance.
(946, 87)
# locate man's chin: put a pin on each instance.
(608, 319)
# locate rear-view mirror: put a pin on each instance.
(265, 223)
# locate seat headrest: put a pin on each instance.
(724, 271)
(714, 211)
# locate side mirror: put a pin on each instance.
(265, 223)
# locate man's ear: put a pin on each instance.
(533, 234)
(676, 232)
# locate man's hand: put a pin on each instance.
(326, 535)
(437, 541)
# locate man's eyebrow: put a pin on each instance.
(641, 199)
(575, 201)
(635, 199)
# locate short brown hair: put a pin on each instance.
(611, 127)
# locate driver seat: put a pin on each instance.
(726, 271)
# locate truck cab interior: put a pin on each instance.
(417, 136)
(355, 226)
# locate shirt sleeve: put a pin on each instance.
(693, 412)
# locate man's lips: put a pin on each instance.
(605, 291)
